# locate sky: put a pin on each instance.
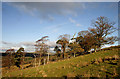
(23, 23)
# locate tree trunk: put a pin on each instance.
(63, 55)
(35, 60)
(23, 60)
(64, 52)
(94, 49)
(85, 51)
(40, 59)
(48, 57)
(39, 62)
(74, 54)
(44, 61)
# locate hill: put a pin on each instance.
(104, 63)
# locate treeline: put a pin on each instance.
(93, 38)
(27, 54)
(81, 43)
(13, 58)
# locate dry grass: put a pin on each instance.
(116, 57)
(100, 60)
(70, 75)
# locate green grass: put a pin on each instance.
(79, 66)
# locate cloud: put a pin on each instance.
(16, 48)
(41, 21)
(51, 18)
(71, 20)
(52, 44)
(78, 25)
(54, 28)
(3, 42)
(8, 45)
(74, 22)
(28, 46)
(27, 43)
(48, 10)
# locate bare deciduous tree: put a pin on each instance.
(102, 28)
(41, 46)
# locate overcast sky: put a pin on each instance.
(25, 22)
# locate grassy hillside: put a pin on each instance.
(104, 63)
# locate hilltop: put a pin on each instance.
(104, 63)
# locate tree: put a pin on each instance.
(9, 58)
(57, 50)
(93, 41)
(42, 47)
(63, 41)
(102, 28)
(19, 57)
(75, 48)
(85, 40)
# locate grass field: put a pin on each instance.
(104, 63)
